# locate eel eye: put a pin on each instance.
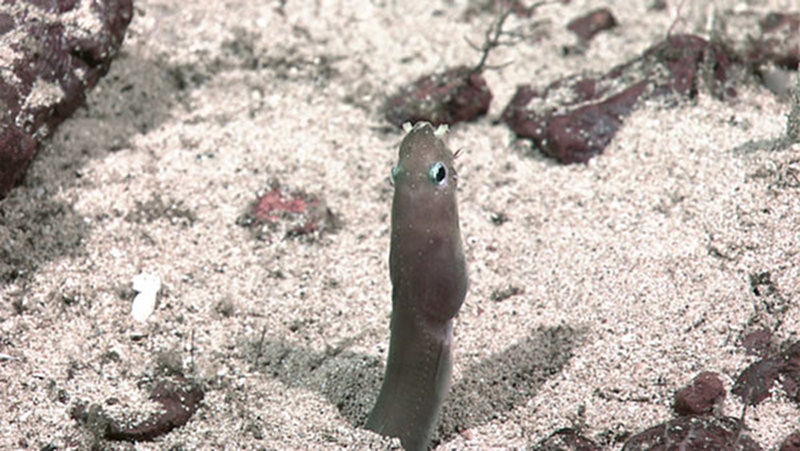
(437, 173)
(395, 170)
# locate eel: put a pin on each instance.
(429, 279)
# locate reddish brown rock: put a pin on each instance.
(701, 396)
(457, 95)
(791, 443)
(574, 118)
(757, 342)
(755, 383)
(695, 433)
(56, 55)
(179, 399)
(791, 372)
(295, 212)
(588, 25)
(274, 203)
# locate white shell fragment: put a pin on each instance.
(407, 127)
(441, 130)
(145, 302)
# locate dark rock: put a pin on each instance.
(179, 403)
(779, 44)
(457, 95)
(791, 443)
(658, 5)
(179, 399)
(770, 47)
(757, 342)
(588, 25)
(574, 118)
(695, 433)
(754, 383)
(501, 294)
(701, 396)
(566, 439)
(791, 372)
(779, 41)
(495, 6)
(761, 283)
(16, 150)
(56, 57)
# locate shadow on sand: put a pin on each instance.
(488, 390)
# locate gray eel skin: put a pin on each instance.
(429, 282)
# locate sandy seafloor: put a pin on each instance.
(635, 270)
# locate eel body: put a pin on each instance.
(429, 282)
